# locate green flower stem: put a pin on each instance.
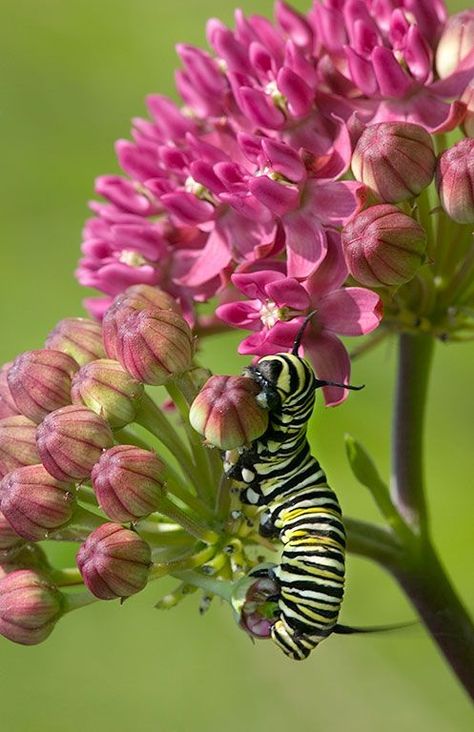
(223, 498)
(420, 573)
(76, 600)
(66, 577)
(80, 526)
(374, 542)
(190, 524)
(425, 582)
(154, 421)
(208, 584)
(161, 569)
(201, 460)
(173, 484)
(414, 361)
(85, 494)
(425, 217)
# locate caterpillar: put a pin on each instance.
(278, 473)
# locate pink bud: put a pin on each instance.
(383, 246)
(40, 382)
(455, 43)
(254, 605)
(34, 502)
(7, 403)
(114, 562)
(128, 482)
(226, 412)
(17, 443)
(136, 297)
(8, 536)
(70, 441)
(455, 181)
(106, 388)
(395, 159)
(29, 607)
(80, 338)
(153, 345)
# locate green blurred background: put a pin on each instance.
(73, 74)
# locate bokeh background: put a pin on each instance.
(72, 75)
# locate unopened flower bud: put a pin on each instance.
(30, 605)
(128, 482)
(34, 502)
(17, 443)
(114, 562)
(226, 412)
(70, 441)
(153, 345)
(7, 403)
(455, 43)
(395, 159)
(255, 606)
(8, 536)
(455, 181)
(137, 297)
(80, 338)
(40, 382)
(106, 388)
(383, 246)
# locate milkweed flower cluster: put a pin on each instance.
(286, 134)
(74, 468)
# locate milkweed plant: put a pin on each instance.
(313, 178)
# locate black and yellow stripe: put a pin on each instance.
(278, 473)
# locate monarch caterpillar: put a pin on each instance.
(279, 472)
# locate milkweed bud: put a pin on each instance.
(17, 443)
(383, 246)
(8, 536)
(455, 181)
(455, 43)
(80, 338)
(40, 382)
(34, 502)
(29, 607)
(7, 404)
(136, 297)
(128, 482)
(114, 562)
(70, 441)
(254, 605)
(153, 345)
(226, 412)
(106, 388)
(395, 159)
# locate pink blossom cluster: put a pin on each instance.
(238, 190)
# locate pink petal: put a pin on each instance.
(332, 271)
(350, 311)
(334, 202)
(187, 208)
(278, 339)
(392, 80)
(254, 284)
(278, 197)
(288, 292)
(305, 242)
(284, 160)
(331, 363)
(210, 261)
(241, 314)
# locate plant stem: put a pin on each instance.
(420, 572)
(431, 592)
(373, 542)
(415, 355)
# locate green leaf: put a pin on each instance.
(365, 472)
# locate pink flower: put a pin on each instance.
(278, 304)
(379, 56)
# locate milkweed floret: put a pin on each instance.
(17, 443)
(30, 606)
(80, 338)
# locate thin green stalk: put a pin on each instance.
(203, 477)
(76, 600)
(192, 525)
(414, 362)
(173, 484)
(154, 421)
(420, 573)
(208, 584)
(374, 542)
(161, 569)
(66, 577)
